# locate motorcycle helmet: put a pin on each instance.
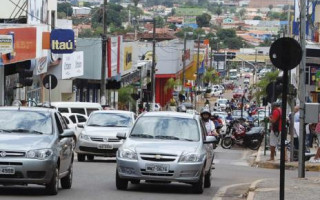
(205, 110)
(182, 108)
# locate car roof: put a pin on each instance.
(23, 108)
(69, 114)
(169, 114)
(113, 111)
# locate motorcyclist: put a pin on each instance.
(205, 116)
(229, 117)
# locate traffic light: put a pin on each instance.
(113, 84)
(25, 75)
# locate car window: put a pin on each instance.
(90, 110)
(81, 119)
(78, 110)
(66, 119)
(26, 121)
(63, 123)
(159, 127)
(59, 125)
(110, 120)
(73, 119)
(63, 110)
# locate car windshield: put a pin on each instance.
(110, 120)
(167, 128)
(18, 121)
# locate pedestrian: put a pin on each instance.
(296, 121)
(276, 121)
(317, 156)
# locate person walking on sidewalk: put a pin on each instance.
(317, 156)
(276, 121)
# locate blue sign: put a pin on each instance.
(62, 41)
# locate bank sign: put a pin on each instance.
(62, 41)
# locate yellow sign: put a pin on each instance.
(127, 58)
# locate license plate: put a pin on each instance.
(7, 170)
(157, 168)
(105, 146)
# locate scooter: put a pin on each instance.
(238, 134)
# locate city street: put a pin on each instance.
(96, 180)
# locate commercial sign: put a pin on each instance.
(113, 56)
(72, 65)
(318, 81)
(24, 44)
(6, 44)
(41, 65)
(62, 41)
(127, 58)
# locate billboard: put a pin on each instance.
(41, 65)
(38, 12)
(127, 58)
(24, 44)
(72, 65)
(62, 41)
(6, 44)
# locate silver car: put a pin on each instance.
(36, 148)
(99, 136)
(166, 147)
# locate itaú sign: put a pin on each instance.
(62, 41)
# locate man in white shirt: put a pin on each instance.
(205, 116)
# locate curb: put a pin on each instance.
(253, 187)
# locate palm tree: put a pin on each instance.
(171, 84)
(135, 2)
(210, 76)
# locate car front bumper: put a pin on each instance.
(92, 148)
(178, 172)
(27, 171)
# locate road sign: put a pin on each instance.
(46, 81)
(285, 53)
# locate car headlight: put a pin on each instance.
(40, 154)
(190, 158)
(127, 154)
(84, 137)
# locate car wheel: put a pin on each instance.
(122, 184)
(207, 179)
(81, 157)
(66, 182)
(53, 186)
(135, 182)
(90, 157)
(198, 187)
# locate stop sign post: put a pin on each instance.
(50, 82)
(285, 54)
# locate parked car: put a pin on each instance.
(36, 148)
(166, 147)
(73, 120)
(99, 135)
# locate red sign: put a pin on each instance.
(25, 44)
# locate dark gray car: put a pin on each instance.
(36, 148)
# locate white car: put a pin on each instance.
(222, 103)
(222, 116)
(73, 119)
(246, 81)
(215, 92)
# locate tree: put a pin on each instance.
(125, 98)
(180, 34)
(260, 87)
(135, 2)
(160, 22)
(62, 15)
(173, 27)
(232, 10)
(210, 76)
(203, 20)
(218, 11)
(171, 84)
(283, 16)
(234, 43)
(266, 43)
(86, 33)
(270, 7)
(242, 12)
(226, 33)
(257, 18)
(66, 8)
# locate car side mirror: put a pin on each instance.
(67, 133)
(211, 140)
(80, 125)
(121, 136)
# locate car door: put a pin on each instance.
(66, 145)
(208, 148)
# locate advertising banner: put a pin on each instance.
(6, 44)
(41, 65)
(38, 11)
(24, 44)
(113, 56)
(127, 58)
(72, 65)
(318, 81)
(62, 41)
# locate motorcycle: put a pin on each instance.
(239, 134)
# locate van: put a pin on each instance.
(84, 108)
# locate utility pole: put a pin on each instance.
(104, 57)
(153, 70)
(211, 57)
(302, 133)
(197, 73)
(184, 59)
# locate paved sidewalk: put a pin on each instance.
(295, 189)
(262, 161)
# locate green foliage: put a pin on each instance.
(160, 22)
(203, 20)
(257, 18)
(173, 27)
(260, 87)
(230, 39)
(242, 12)
(234, 43)
(124, 95)
(270, 7)
(66, 8)
(62, 15)
(135, 2)
(86, 33)
(171, 83)
(266, 43)
(226, 33)
(210, 76)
